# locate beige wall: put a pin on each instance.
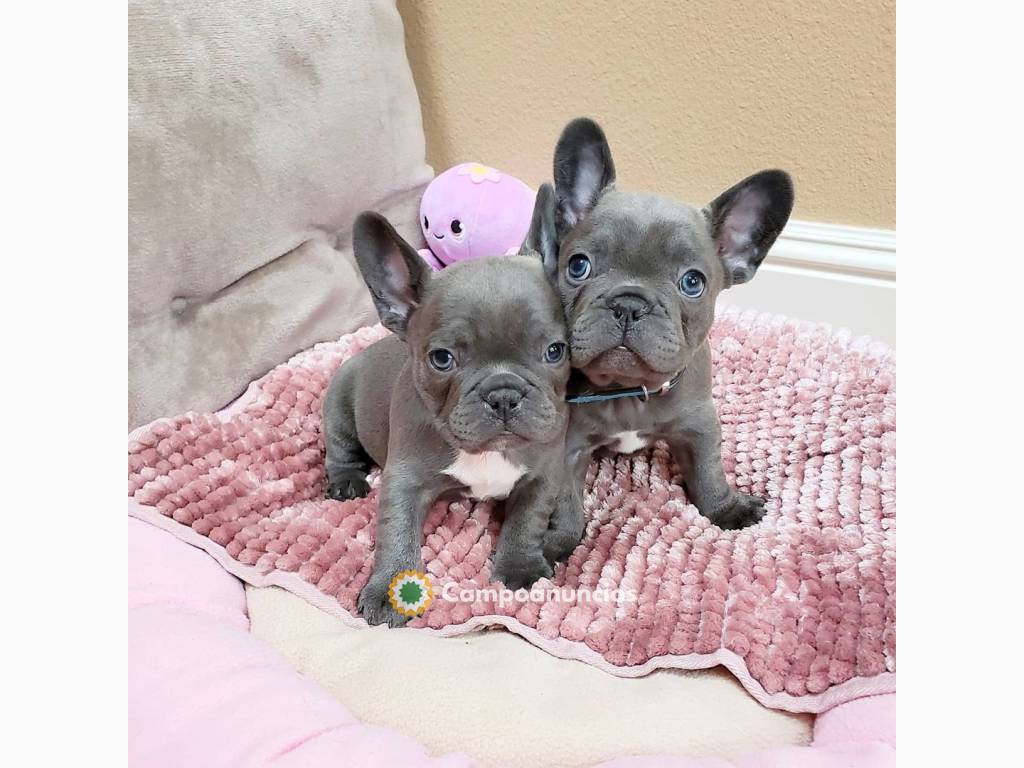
(693, 95)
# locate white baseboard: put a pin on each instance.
(845, 276)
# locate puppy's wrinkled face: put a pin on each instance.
(487, 339)
(639, 277)
(490, 354)
(639, 274)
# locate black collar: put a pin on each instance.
(614, 394)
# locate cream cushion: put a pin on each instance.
(496, 697)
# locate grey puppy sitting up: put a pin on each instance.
(638, 275)
(466, 399)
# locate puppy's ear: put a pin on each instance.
(583, 170)
(541, 238)
(746, 219)
(393, 271)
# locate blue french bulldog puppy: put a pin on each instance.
(466, 399)
(638, 276)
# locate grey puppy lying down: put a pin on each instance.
(467, 398)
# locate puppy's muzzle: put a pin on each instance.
(628, 306)
(503, 395)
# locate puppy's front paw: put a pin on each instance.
(519, 572)
(566, 531)
(740, 511)
(559, 544)
(374, 606)
(347, 484)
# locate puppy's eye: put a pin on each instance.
(456, 227)
(578, 268)
(441, 360)
(426, 224)
(554, 353)
(691, 285)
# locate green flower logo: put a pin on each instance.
(410, 593)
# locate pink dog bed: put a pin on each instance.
(801, 608)
(202, 691)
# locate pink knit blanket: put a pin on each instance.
(801, 607)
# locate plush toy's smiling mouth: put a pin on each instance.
(439, 237)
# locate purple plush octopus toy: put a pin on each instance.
(473, 210)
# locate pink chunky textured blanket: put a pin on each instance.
(801, 607)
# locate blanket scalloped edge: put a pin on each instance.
(559, 647)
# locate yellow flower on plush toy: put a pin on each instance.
(479, 173)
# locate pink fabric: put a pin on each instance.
(800, 607)
(203, 691)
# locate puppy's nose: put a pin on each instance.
(627, 308)
(503, 392)
(504, 401)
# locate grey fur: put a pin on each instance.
(630, 325)
(387, 405)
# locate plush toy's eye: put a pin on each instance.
(691, 284)
(441, 360)
(554, 353)
(456, 227)
(426, 224)
(578, 268)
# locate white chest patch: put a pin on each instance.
(488, 475)
(627, 442)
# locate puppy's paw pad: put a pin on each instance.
(521, 573)
(741, 511)
(374, 606)
(349, 485)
